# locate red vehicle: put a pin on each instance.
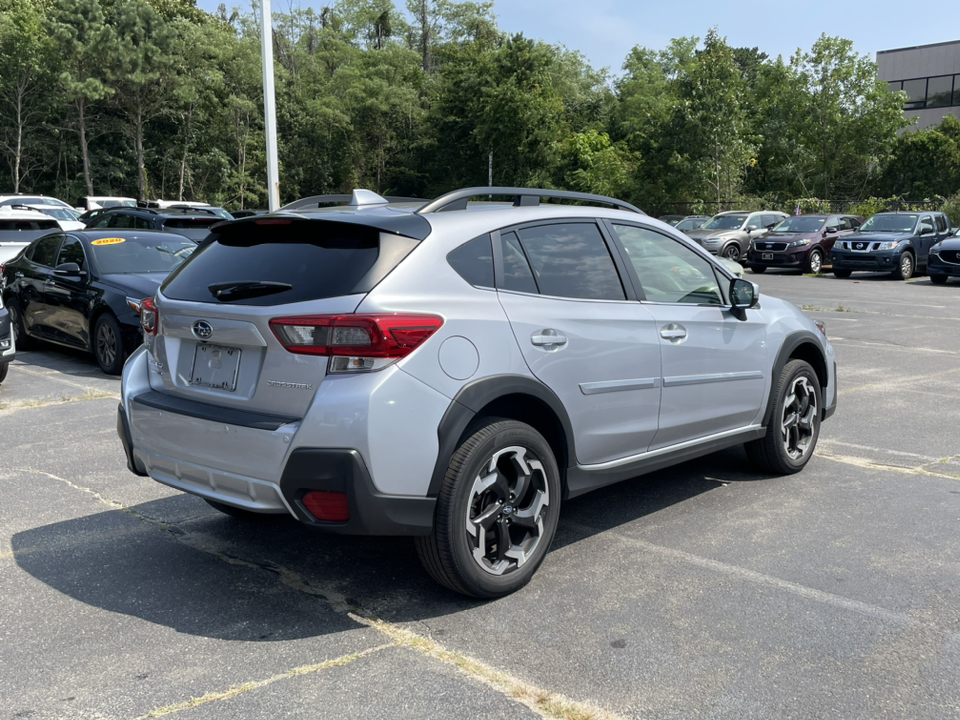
(801, 242)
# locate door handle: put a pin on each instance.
(672, 331)
(548, 339)
(18, 274)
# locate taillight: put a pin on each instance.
(355, 343)
(149, 316)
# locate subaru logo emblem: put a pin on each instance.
(202, 329)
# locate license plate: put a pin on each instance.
(766, 256)
(216, 366)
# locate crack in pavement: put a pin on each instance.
(543, 702)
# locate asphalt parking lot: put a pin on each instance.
(704, 591)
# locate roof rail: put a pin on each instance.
(522, 197)
(359, 198)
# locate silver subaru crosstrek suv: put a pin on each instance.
(454, 370)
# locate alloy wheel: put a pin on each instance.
(506, 510)
(106, 344)
(815, 263)
(731, 252)
(798, 422)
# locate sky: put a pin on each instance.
(605, 31)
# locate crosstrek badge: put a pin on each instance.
(108, 241)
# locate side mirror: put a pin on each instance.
(926, 231)
(743, 295)
(70, 269)
(751, 228)
(831, 230)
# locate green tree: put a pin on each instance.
(846, 120)
(142, 69)
(713, 95)
(924, 163)
(28, 61)
(80, 31)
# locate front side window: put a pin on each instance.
(72, 251)
(571, 260)
(669, 272)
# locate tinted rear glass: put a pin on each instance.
(317, 259)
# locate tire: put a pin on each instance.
(20, 337)
(4, 368)
(108, 344)
(758, 269)
(938, 279)
(503, 478)
(731, 252)
(794, 423)
(843, 274)
(241, 514)
(814, 262)
(905, 267)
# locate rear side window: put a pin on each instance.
(941, 223)
(473, 261)
(277, 263)
(517, 275)
(45, 250)
(571, 260)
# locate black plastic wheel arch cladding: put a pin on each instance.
(480, 398)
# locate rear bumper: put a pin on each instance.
(245, 461)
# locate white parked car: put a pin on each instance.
(19, 227)
(67, 218)
(95, 202)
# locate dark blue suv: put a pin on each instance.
(895, 242)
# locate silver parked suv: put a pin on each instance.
(455, 370)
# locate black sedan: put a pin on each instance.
(83, 289)
(944, 260)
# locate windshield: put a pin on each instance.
(725, 222)
(60, 213)
(893, 223)
(801, 224)
(141, 254)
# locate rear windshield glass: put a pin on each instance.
(141, 255)
(203, 222)
(249, 263)
(24, 225)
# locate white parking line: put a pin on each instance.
(838, 601)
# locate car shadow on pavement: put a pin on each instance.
(204, 573)
(68, 361)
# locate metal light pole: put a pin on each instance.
(269, 105)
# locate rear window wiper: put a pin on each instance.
(247, 289)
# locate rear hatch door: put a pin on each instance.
(215, 343)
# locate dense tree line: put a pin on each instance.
(159, 99)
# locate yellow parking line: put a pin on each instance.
(235, 690)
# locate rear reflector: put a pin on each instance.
(327, 506)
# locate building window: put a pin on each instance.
(940, 91)
(934, 92)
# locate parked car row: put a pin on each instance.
(900, 243)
